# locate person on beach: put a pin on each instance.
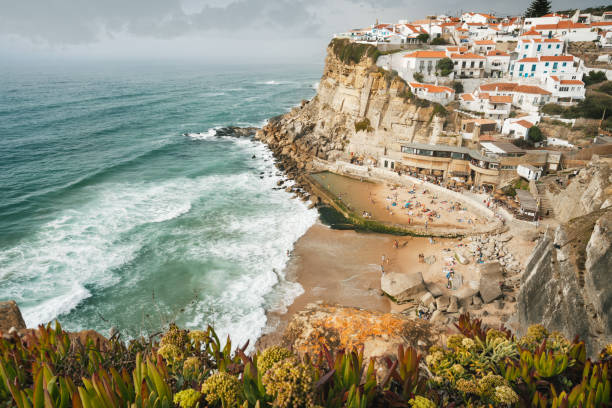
(382, 270)
(395, 244)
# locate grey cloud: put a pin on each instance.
(86, 21)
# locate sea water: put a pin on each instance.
(120, 206)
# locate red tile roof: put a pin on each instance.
(571, 82)
(524, 123)
(426, 54)
(432, 88)
(497, 53)
(484, 42)
(500, 98)
(557, 58)
(467, 55)
(561, 25)
(530, 33)
(528, 60)
(513, 87)
(467, 97)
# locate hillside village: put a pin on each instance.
(522, 99)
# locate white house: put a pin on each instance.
(528, 98)
(518, 128)
(567, 30)
(468, 65)
(496, 107)
(483, 46)
(440, 94)
(565, 90)
(543, 66)
(423, 62)
(497, 63)
(529, 172)
(478, 18)
(553, 18)
(534, 47)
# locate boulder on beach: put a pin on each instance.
(490, 278)
(461, 258)
(402, 286)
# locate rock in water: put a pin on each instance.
(402, 286)
(10, 316)
(490, 278)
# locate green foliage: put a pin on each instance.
(439, 110)
(480, 366)
(363, 125)
(423, 37)
(350, 52)
(594, 77)
(418, 76)
(592, 107)
(457, 86)
(535, 134)
(444, 66)
(438, 41)
(606, 88)
(553, 109)
(538, 8)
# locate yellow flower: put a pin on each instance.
(197, 336)
(170, 352)
(457, 369)
(222, 387)
(291, 383)
(421, 402)
(191, 365)
(175, 336)
(454, 341)
(505, 395)
(271, 356)
(187, 398)
(468, 386)
(467, 343)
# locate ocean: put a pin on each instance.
(120, 207)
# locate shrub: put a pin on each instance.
(606, 88)
(481, 366)
(535, 134)
(418, 76)
(363, 125)
(444, 66)
(438, 41)
(439, 110)
(350, 52)
(552, 109)
(594, 77)
(457, 86)
(423, 37)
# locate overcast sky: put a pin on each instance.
(210, 30)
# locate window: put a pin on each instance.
(555, 65)
(563, 89)
(565, 64)
(533, 67)
(558, 46)
(463, 64)
(549, 46)
(526, 46)
(459, 156)
(521, 67)
(539, 47)
(546, 64)
(481, 64)
(472, 64)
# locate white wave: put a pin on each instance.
(83, 246)
(210, 134)
(315, 86)
(273, 82)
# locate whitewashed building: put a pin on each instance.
(434, 93)
(535, 47)
(528, 98)
(567, 30)
(468, 65)
(528, 172)
(543, 66)
(565, 90)
(497, 63)
(518, 128)
(483, 46)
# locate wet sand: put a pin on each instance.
(343, 268)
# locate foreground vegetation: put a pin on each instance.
(479, 367)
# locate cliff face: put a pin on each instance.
(349, 93)
(589, 191)
(566, 284)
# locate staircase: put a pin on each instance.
(545, 205)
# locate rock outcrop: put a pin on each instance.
(403, 287)
(589, 191)
(567, 282)
(10, 316)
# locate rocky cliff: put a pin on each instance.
(358, 108)
(589, 191)
(567, 285)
